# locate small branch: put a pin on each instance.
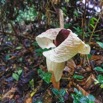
(13, 28)
(6, 33)
(94, 28)
(84, 23)
(95, 31)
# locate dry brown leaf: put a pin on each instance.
(71, 64)
(82, 90)
(47, 98)
(28, 100)
(89, 81)
(88, 69)
(55, 1)
(96, 57)
(10, 93)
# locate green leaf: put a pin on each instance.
(100, 44)
(91, 98)
(15, 76)
(19, 47)
(95, 19)
(80, 77)
(46, 76)
(62, 92)
(89, 56)
(55, 91)
(100, 78)
(59, 93)
(92, 25)
(101, 85)
(98, 69)
(78, 97)
(7, 57)
(19, 72)
(92, 21)
(31, 82)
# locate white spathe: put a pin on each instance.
(57, 56)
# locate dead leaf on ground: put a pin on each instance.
(82, 90)
(89, 81)
(71, 64)
(55, 1)
(9, 94)
(28, 99)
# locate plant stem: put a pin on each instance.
(94, 28)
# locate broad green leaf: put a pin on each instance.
(80, 77)
(89, 56)
(83, 99)
(98, 69)
(100, 44)
(19, 72)
(101, 85)
(62, 92)
(55, 91)
(95, 19)
(100, 78)
(92, 25)
(78, 97)
(46, 76)
(15, 76)
(91, 98)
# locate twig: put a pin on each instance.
(13, 28)
(6, 33)
(95, 31)
(84, 23)
(94, 28)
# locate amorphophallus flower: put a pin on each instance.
(64, 45)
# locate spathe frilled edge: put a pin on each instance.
(45, 39)
(68, 49)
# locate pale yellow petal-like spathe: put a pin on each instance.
(57, 56)
(45, 39)
(67, 49)
(84, 49)
(55, 68)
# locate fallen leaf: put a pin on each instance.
(82, 90)
(28, 100)
(10, 93)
